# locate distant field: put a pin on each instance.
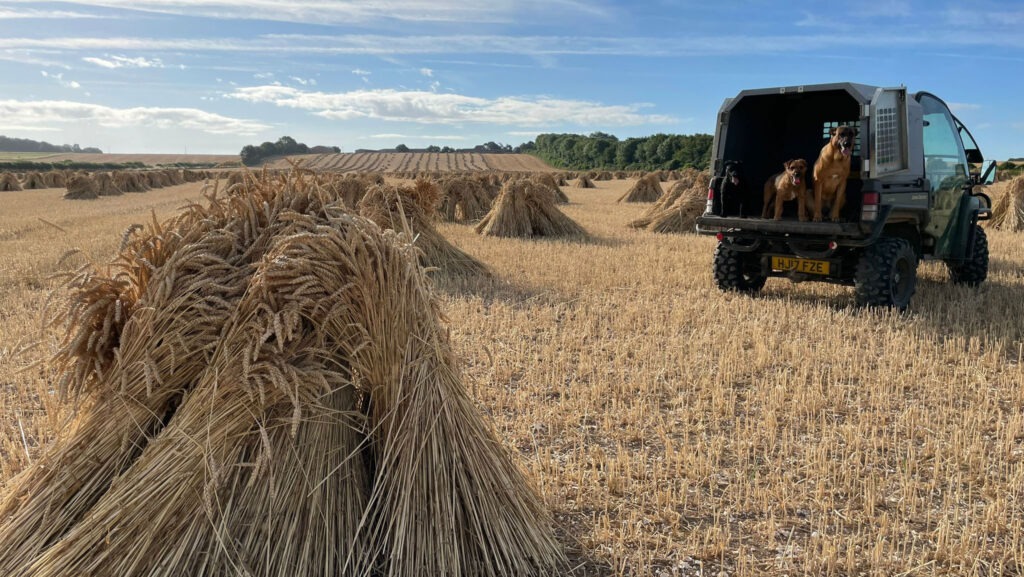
(415, 161)
(4, 155)
(119, 158)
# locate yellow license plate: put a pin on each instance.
(785, 263)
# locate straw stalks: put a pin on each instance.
(264, 387)
(527, 209)
(647, 189)
(1008, 209)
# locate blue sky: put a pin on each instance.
(212, 75)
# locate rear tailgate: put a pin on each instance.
(710, 224)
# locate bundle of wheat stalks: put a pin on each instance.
(264, 387)
(647, 189)
(414, 208)
(33, 181)
(1008, 209)
(463, 198)
(9, 182)
(678, 209)
(584, 181)
(548, 180)
(525, 208)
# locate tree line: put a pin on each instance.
(8, 144)
(252, 155)
(604, 151)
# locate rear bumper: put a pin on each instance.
(707, 224)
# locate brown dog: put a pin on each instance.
(786, 186)
(831, 171)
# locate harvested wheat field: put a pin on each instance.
(669, 429)
(408, 162)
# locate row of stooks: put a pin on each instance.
(82, 184)
(118, 182)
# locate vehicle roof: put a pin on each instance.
(862, 92)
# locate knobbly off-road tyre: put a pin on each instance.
(886, 274)
(973, 271)
(735, 271)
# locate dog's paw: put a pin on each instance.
(803, 218)
(817, 218)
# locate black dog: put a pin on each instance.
(730, 195)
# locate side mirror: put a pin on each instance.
(988, 172)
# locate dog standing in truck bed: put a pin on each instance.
(831, 171)
(785, 186)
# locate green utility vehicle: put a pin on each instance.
(910, 194)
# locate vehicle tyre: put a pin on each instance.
(972, 271)
(886, 274)
(737, 271)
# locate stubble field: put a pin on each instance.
(672, 429)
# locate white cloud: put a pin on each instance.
(523, 132)
(434, 86)
(440, 108)
(59, 77)
(361, 72)
(426, 72)
(42, 113)
(349, 11)
(124, 62)
(961, 106)
(259, 76)
(419, 136)
(23, 128)
(7, 13)
(534, 46)
(304, 81)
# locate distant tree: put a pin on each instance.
(286, 145)
(447, 149)
(250, 155)
(433, 148)
(601, 150)
(401, 148)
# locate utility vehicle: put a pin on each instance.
(910, 195)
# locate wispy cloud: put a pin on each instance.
(9, 13)
(355, 11)
(24, 128)
(303, 81)
(42, 114)
(961, 106)
(441, 108)
(109, 61)
(361, 72)
(533, 46)
(426, 72)
(59, 77)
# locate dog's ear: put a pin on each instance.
(832, 131)
(788, 163)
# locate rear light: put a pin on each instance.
(711, 193)
(832, 245)
(869, 206)
(720, 237)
